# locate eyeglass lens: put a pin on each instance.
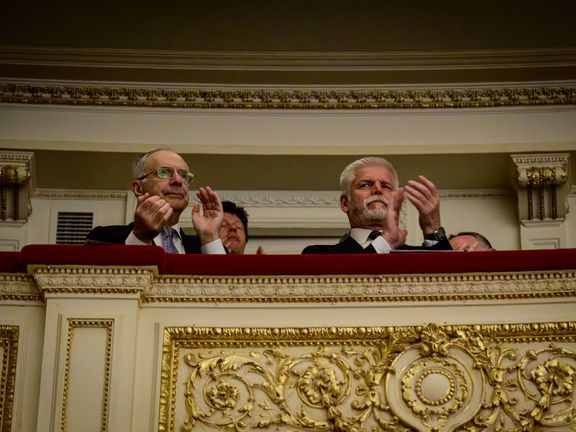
(166, 173)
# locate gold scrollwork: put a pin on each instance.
(432, 378)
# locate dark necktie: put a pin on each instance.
(374, 235)
(167, 235)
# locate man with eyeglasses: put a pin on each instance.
(161, 182)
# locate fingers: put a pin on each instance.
(423, 193)
(260, 250)
(153, 210)
(152, 213)
(209, 199)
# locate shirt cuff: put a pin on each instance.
(213, 248)
(133, 240)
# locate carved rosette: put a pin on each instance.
(435, 384)
(452, 378)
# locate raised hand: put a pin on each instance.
(393, 234)
(208, 222)
(152, 213)
(424, 195)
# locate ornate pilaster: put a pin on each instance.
(15, 186)
(542, 205)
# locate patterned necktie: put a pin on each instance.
(374, 235)
(167, 235)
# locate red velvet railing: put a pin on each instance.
(400, 263)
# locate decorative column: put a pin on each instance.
(542, 206)
(90, 335)
(15, 186)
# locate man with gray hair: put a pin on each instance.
(161, 183)
(371, 198)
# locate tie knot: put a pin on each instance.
(374, 235)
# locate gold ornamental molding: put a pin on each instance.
(146, 284)
(512, 377)
(8, 357)
(18, 287)
(362, 288)
(82, 280)
(285, 98)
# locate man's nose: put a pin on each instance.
(377, 189)
(175, 177)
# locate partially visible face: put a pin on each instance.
(232, 234)
(467, 243)
(367, 201)
(174, 190)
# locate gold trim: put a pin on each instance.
(9, 346)
(78, 279)
(279, 98)
(18, 287)
(362, 288)
(416, 378)
(108, 325)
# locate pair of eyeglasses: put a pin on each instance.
(166, 173)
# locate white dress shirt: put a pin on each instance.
(361, 236)
(213, 248)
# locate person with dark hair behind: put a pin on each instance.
(234, 229)
(469, 241)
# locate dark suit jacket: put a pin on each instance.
(117, 234)
(351, 246)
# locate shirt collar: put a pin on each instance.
(361, 236)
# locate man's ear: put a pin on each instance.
(137, 188)
(344, 203)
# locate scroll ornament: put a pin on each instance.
(430, 378)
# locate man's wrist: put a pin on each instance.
(438, 234)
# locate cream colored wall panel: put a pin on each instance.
(289, 131)
(43, 221)
(69, 311)
(494, 217)
(87, 378)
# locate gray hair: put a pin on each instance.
(139, 164)
(349, 173)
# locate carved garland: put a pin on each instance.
(433, 378)
(376, 98)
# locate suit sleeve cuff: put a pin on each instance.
(213, 248)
